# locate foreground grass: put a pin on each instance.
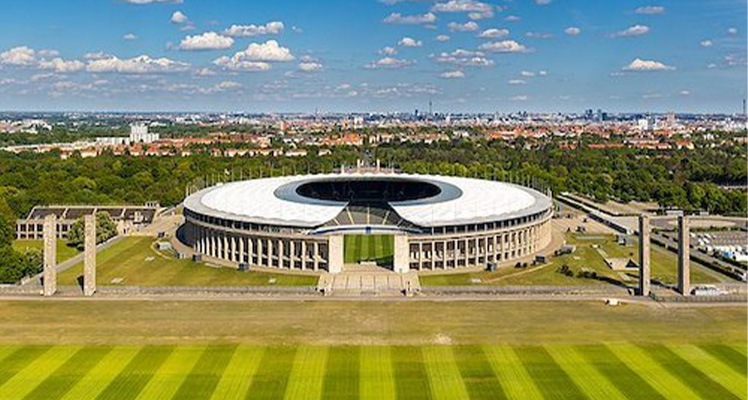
(64, 252)
(586, 257)
(379, 248)
(610, 371)
(134, 261)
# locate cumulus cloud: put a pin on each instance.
(516, 82)
(389, 63)
(465, 58)
(650, 10)
(635, 30)
(62, 66)
(397, 18)
(456, 74)
(228, 85)
(504, 46)
(206, 41)
(706, 43)
(527, 73)
(410, 42)
(494, 33)
(130, 36)
(20, 56)
(647, 65)
(310, 66)
(268, 51)
(542, 2)
(179, 17)
(270, 28)
(389, 51)
(732, 31)
(143, 64)
(466, 27)
(512, 18)
(443, 38)
(475, 9)
(572, 31)
(538, 35)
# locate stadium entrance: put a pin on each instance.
(369, 250)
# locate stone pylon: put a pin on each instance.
(50, 255)
(684, 255)
(89, 256)
(644, 262)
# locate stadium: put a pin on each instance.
(312, 223)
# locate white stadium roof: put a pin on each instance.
(274, 201)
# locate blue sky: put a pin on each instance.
(373, 55)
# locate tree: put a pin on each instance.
(106, 229)
(10, 266)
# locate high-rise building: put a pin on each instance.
(139, 134)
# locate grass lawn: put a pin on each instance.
(64, 252)
(77, 350)
(664, 267)
(134, 261)
(379, 248)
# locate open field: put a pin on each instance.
(134, 261)
(369, 350)
(64, 252)
(664, 267)
(379, 248)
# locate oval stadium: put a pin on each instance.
(318, 223)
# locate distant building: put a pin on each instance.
(139, 134)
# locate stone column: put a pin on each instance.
(242, 254)
(270, 252)
(335, 254)
(281, 257)
(401, 259)
(304, 255)
(292, 254)
(420, 256)
(644, 268)
(259, 250)
(316, 256)
(684, 255)
(50, 255)
(89, 257)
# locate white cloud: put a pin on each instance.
(410, 42)
(512, 18)
(685, 92)
(130, 36)
(572, 31)
(397, 18)
(310, 66)
(443, 38)
(268, 51)
(732, 31)
(468, 6)
(543, 73)
(519, 98)
(179, 17)
(647, 65)
(206, 41)
(389, 51)
(516, 82)
(494, 33)
(22, 56)
(464, 58)
(542, 2)
(504, 46)
(205, 72)
(228, 85)
(62, 66)
(635, 30)
(456, 74)
(389, 63)
(235, 64)
(138, 65)
(270, 28)
(706, 43)
(466, 27)
(527, 73)
(538, 35)
(650, 10)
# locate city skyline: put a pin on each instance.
(377, 56)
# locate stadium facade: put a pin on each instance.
(299, 222)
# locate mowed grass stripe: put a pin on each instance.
(411, 379)
(477, 373)
(238, 374)
(19, 359)
(342, 373)
(652, 372)
(172, 373)
(69, 373)
(271, 378)
(689, 375)
(205, 374)
(377, 376)
(514, 378)
(308, 374)
(22, 383)
(552, 381)
(594, 384)
(741, 348)
(715, 369)
(5, 351)
(101, 375)
(133, 378)
(728, 355)
(444, 375)
(618, 373)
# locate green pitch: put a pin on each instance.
(605, 371)
(379, 248)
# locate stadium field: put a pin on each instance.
(221, 371)
(379, 248)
